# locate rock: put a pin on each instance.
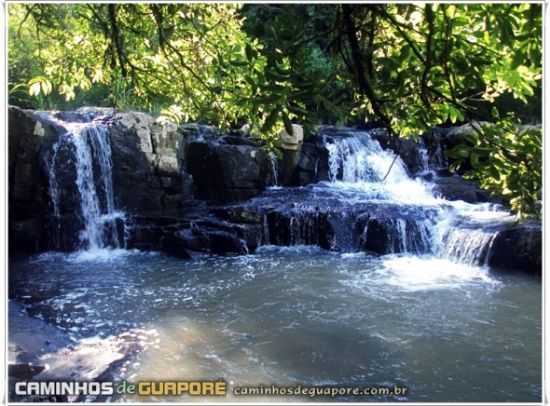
(291, 145)
(198, 132)
(194, 241)
(226, 173)
(154, 232)
(457, 188)
(314, 215)
(313, 164)
(84, 114)
(223, 243)
(28, 199)
(238, 214)
(518, 247)
(147, 154)
(26, 236)
(250, 234)
(409, 151)
(29, 340)
(292, 142)
(388, 234)
(234, 140)
(24, 372)
(173, 245)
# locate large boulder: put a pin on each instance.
(313, 164)
(28, 198)
(518, 247)
(227, 171)
(148, 175)
(410, 152)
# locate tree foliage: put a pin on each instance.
(408, 66)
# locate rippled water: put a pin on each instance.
(447, 331)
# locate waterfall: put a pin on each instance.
(89, 145)
(52, 181)
(469, 246)
(274, 169)
(358, 163)
(348, 160)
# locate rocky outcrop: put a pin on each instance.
(191, 188)
(315, 216)
(28, 204)
(312, 165)
(227, 169)
(518, 247)
(148, 173)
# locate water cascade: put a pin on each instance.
(274, 169)
(90, 150)
(358, 165)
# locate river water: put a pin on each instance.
(301, 315)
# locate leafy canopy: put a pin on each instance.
(408, 66)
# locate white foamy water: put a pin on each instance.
(414, 273)
(100, 255)
(409, 273)
(358, 169)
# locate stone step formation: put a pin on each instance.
(101, 179)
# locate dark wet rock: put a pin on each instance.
(193, 240)
(150, 232)
(24, 372)
(85, 114)
(40, 352)
(26, 235)
(147, 155)
(173, 245)
(457, 188)
(313, 164)
(315, 216)
(28, 204)
(238, 214)
(199, 132)
(518, 247)
(385, 234)
(30, 337)
(234, 140)
(409, 151)
(222, 243)
(226, 172)
(250, 234)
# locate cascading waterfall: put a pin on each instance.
(470, 246)
(349, 160)
(274, 169)
(358, 162)
(52, 181)
(91, 149)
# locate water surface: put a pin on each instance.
(301, 315)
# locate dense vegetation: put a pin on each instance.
(408, 67)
